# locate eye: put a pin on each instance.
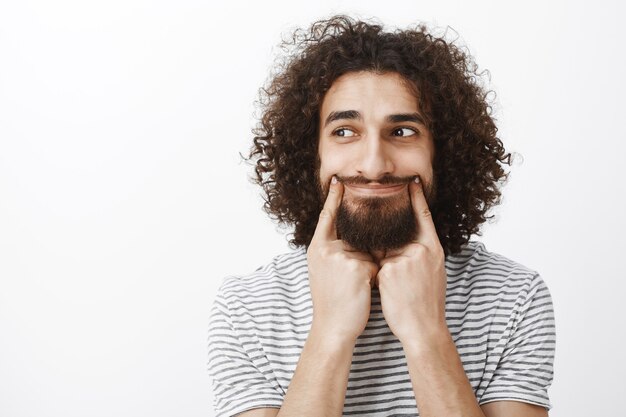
(410, 131)
(342, 132)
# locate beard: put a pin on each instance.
(378, 223)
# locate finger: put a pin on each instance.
(349, 248)
(374, 282)
(390, 259)
(373, 270)
(426, 232)
(362, 256)
(325, 229)
(353, 253)
(392, 253)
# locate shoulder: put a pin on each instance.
(475, 266)
(474, 260)
(283, 272)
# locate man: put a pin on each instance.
(380, 150)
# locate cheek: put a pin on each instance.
(416, 163)
(331, 163)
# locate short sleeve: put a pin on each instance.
(238, 385)
(525, 369)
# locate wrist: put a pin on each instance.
(329, 339)
(427, 340)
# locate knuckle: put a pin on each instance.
(353, 265)
(317, 251)
(425, 212)
(418, 249)
(325, 251)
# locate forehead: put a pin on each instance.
(371, 92)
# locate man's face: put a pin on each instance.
(374, 139)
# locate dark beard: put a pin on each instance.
(377, 223)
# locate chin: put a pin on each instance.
(376, 223)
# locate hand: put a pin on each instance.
(340, 278)
(412, 280)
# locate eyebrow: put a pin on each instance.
(392, 118)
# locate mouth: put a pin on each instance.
(375, 190)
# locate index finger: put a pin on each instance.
(426, 231)
(326, 229)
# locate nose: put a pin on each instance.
(374, 159)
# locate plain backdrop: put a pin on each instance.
(124, 200)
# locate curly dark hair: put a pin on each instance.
(469, 157)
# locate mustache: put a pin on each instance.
(386, 179)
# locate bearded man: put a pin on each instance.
(380, 150)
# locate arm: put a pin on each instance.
(318, 387)
(340, 283)
(439, 381)
(238, 382)
(341, 310)
(513, 409)
(412, 283)
(441, 386)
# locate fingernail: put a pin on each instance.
(417, 180)
(333, 180)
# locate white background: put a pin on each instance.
(124, 202)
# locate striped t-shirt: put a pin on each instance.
(499, 314)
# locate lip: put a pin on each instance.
(375, 189)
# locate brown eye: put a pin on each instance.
(406, 129)
(342, 132)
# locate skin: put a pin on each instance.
(411, 280)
